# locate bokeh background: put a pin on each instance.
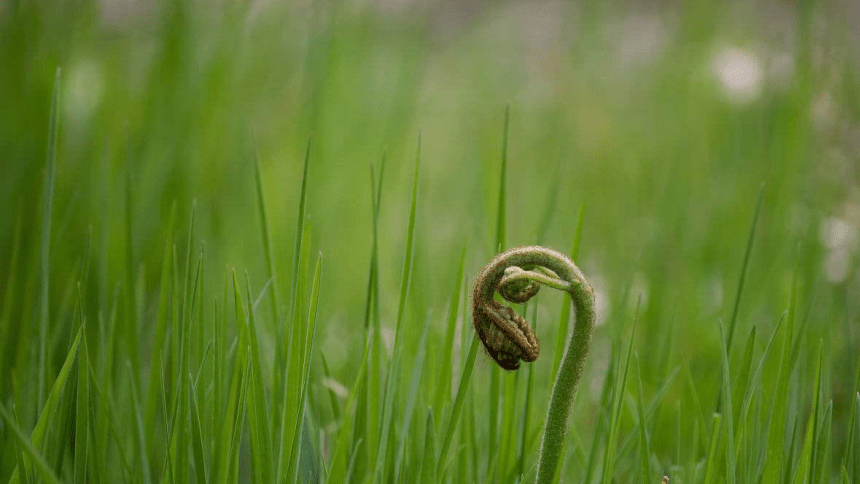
(663, 120)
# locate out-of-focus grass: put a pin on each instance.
(661, 121)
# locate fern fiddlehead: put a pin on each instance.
(517, 275)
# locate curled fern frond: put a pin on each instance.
(517, 275)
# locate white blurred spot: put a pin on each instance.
(387, 339)
(837, 265)
(83, 93)
(739, 72)
(716, 292)
(836, 233)
(336, 387)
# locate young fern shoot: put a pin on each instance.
(508, 338)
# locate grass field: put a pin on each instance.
(238, 239)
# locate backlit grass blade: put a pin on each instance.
(443, 387)
(495, 400)
(37, 460)
(139, 430)
(644, 441)
(293, 463)
(773, 466)
(712, 463)
(341, 455)
(82, 413)
(267, 243)
(742, 379)
(727, 405)
(527, 408)
(410, 244)
(615, 422)
(10, 290)
(411, 397)
(300, 226)
(428, 464)
(45, 242)
(606, 402)
(651, 410)
(196, 435)
(804, 472)
(462, 390)
(239, 423)
(56, 393)
(368, 406)
(855, 430)
(258, 414)
(158, 342)
(49, 411)
(744, 266)
(821, 471)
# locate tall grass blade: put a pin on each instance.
(615, 422)
(443, 387)
(159, 341)
(712, 463)
(196, 435)
(804, 472)
(82, 412)
(644, 441)
(36, 458)
(338, 468)
(261, 450)
(45, 242)
(462, 390)
(727, 404)
(267, 243)
(773, 466)
(428, 464)
(412, 396)
(742, 277)
(293, 463)
(10, 292)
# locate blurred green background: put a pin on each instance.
(662, 119)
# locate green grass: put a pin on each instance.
(198, 283)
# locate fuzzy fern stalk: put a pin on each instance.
(508, 338)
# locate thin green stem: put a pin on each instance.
(508, 338)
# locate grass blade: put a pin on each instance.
(428, 467)
(462, 390)
(495, 400)
(712, 463)
(45, 242)
(615, 422)
(35, 457)
(338, 469)
(644, 441)
(82, 413)
(443, 387)
(411, 397)
(742, 277)
(261, 450)
(776, 431)
(727, 404)
(293, 463)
